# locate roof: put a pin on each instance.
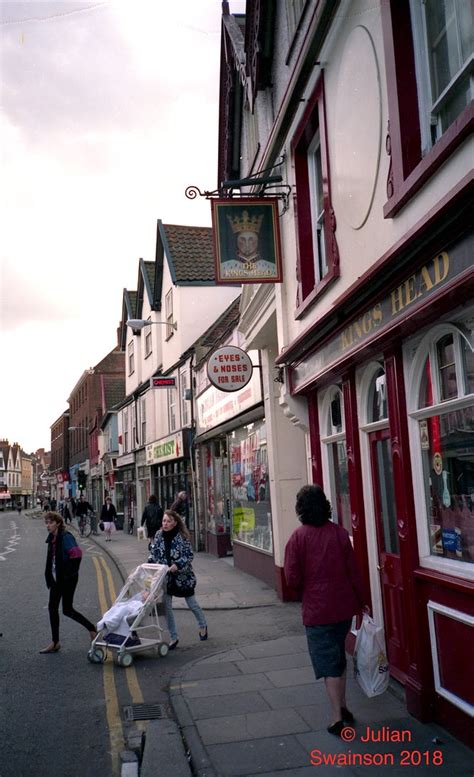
(114, 390)
(190, 253)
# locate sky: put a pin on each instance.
(109, 111)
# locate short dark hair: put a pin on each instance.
(152, 499)
(312, 507)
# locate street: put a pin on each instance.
(60, 715)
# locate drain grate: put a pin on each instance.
(145, 712)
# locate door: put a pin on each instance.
(389, 565)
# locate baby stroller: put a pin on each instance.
(132, 625)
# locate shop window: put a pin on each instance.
(250, 487)
(334, 447)
(318, 262)
(429, 62)
(443, 425)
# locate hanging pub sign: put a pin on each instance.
(229, 368)
(246, 240)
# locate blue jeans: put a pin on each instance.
(191, 601)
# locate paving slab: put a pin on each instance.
(274, 647)
(294, 697)
(229, 704)
(220, 686)
(257, 756)
(282, 678)
(270, 663)
(254, 725)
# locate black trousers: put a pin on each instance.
(65, 591)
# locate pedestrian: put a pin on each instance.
(172, 546)
(152, 517)
(73, 504)
(321, 565)
(179, 504)
(19, 507)
(107, 516)
(67, 513)
(62, 574)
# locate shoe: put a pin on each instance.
(336, 728)
(203, 637)
(347, 715)
(52, 648)
(173, 644)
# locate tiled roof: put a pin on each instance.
(190, 252)
(114, 362)
(150, 272)
(132, 295)
(114, 390)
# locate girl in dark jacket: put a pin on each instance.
(171, 546)
(62, 575)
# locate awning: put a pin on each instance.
(5, 495)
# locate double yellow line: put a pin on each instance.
(114, 721)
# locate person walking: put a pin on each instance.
(67, 513)
(108, 515)
(152, 517)
(172, 546)
(62, 575)
(321, 565)
(179, 504)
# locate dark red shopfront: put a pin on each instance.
(401, 368)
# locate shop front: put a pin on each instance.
(171, 472)
(391, 401)
(231, 446)
(125, 492)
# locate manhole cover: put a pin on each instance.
(145, 712)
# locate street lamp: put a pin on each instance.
(141, 323)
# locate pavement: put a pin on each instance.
(258, 710)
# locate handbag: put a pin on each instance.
(173, 589)
(371, 667)
(101, 526)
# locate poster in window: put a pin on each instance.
(246, 241)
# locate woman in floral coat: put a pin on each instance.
(172, 546)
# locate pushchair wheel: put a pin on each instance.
(96, 656)
(124, 660)
(163, 649)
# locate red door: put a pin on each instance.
(388, 552)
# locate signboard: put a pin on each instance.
(246, 240)
(162, 382)
(165, 449)
(214, 407)
(229, 368)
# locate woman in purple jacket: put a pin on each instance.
(320, 564)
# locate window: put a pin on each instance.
(443, 428)
(131, 358)
(185, 401)
(334, 447)
(318, 259)
(429, 63)
(169, 313)
(442, 37)
(148, 341)
(143, 420)
(172, 409)
(133, 414)
(125, 431)
(294, 10)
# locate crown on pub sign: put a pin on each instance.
(245, 223)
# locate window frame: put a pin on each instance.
(143, 420)
(409, 169)
(185, 403)
(416, 354)
(131, 357)
(148, 341)
(169, 313)
(312, 122)
(172, 415)
(328, 438)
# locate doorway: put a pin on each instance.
(388, 548)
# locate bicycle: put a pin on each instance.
(84, 524)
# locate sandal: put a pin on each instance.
(52, 648)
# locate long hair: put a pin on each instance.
(182, 528)
(53, 516)
(312, 507)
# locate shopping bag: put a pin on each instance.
(140, 533)
(370, 660)
(101, 526)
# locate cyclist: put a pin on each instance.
(82, 509)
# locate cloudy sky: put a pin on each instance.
(109, 112)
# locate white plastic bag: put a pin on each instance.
(370, 660)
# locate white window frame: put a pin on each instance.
(148, 341)
(415, 355)
(430, 108)
(294, 11)
(172, 420)
(143, 420)
(330, 438)
(321, 267)
(185, 403)
(169, 313)
(125, 431)
(131, 357)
